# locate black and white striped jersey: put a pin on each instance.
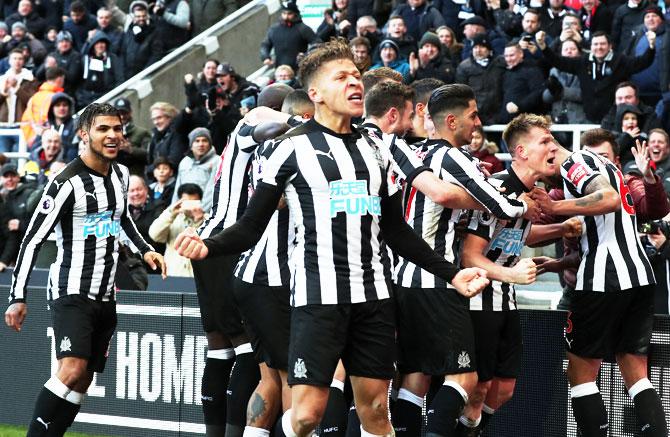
(506, 239)
(612, 254)
(334, 185)
(232, 185)
(89, 212)
(267, 263)
(434, 223)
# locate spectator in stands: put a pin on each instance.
(483, 73)
(199, 165)
(420, 17)
(530, 25)
(552, 17)
(5, 36)
(10, 241)
(79, 24)
(485, 150)
(35, 24)
(49, 40)
(360, 47)
(659, 153)
(596, 17)
(143, 210)
(397, 32)
(455, 12)
(163, 188)
(165, 140)
(173, 25)
(42, 156)
(366, 26)
(335, 22)
(207, 77)
(564, 92)
(627, 18)
(36, 115)
(289, 38)
(477, 26)
(357, 9)
(572, 29)
(431, 61)
(21, 38)
(235, 86)
(133, 152)
(53, 12)
(600, 71)
(187, 211)
(628, 129)
(285, 74)
(522, 85)
(137, 44)
(17, 86)
(390, 57)
(66, 58)
(655, 79)
(104, 24)
(102, 70)
(59, 119)
(15, 194)
(627, 93)
(207, 13)
(450, 44)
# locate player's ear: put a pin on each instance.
(83, 135)
(314, 95)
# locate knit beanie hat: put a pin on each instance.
(199, 132)
(430, 38)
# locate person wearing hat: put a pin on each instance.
(59, 119)
(102, 70)
(389, 53)
(655, 79)
(66, 58)
(289, 37)
(199, 165)
(133, 152)
(17, 85)
(627, 18)
(138, 40)
(483, 72)
(419, 17)
(25, 13)
(20, 37)
(431, 62)
(476, 25)
(232, 86)
(163, 188)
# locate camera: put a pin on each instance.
(654, 226)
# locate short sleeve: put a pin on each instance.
(577, 173)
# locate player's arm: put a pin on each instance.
(57, 198)
(402, 239)
(473, 255)
(599, 198)
(444, 193)
(539, 234)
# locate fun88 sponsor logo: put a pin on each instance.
(352, 198)
(101, 225)
(508, 241)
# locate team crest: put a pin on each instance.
(463, 360)
(65, 345)
(299, 369)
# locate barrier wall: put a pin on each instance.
(151, 384)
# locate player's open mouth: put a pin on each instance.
(111, 146)
(550, 161)
(356, 97)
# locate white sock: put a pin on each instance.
(286, 424)
(364, 433)
(408, 396)
(487, 410)
(466, 421)
(56, 386)
(221, 354)
(338, 385)
(640, 386)
(244, 348)
(586, 389)
(456, 386)
(252, 431)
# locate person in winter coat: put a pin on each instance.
(483, 72)
(102, 70)
(478, 26)
(289, 37)
(235, 87)
(9, 240)
(431, 61)
(600, 71)
(36, 115)
(133, 153)
(628, 93)
(485, 150)
(628, 131)
(59, 119)
(522, 85)
(207, 77)
(390, 57)
(166, 139)
(163, 189)
(138, 42)
(173, 25)
(563, 91)
(25, 14)
(419, 17)
(627, 18)
(15, 193)
(17, 86)
(199, 165)
(66, 58)
(42, 156)
(335, 23)
(79, 24)
(397, 32)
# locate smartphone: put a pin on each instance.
(527, 38)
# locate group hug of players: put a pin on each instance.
(331, 257)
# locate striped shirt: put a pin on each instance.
(612, 254)
(506, 239)
(334, 185)
(89, 213)
(435, 223)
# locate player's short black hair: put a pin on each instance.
(454, 98)
(383, 74)
(594, 137)
(190, 189)
(423, 88)
(386, 95)
(94, 110)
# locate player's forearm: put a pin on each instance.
(599, 202)
(444, 193)
(542, 233)
(493, 271)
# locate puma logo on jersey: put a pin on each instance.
(93, 195)
(327, 154)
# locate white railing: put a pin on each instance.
(12, 129)
(575, 129)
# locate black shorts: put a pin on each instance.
(600, 324)
(266, 312)
(435, 333)
(498, 344)
(214, 283)
(361, 334)
(83, 328)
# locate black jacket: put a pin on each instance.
(624, 23)
(420, 20)
(16, 204)
(599, 79)
(486, 82)
(95, 82)
(170, 143)
(137, 48)
(522, 85)
(288, 40)
(9, 240)
(36, 25)
(647, 120)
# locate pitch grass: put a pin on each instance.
(17, 431)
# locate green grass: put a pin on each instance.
(18, 431)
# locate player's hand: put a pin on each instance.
(189, 244)
(485, 167)
(533, 209)
(470, 282)
(542, 198)
(572, 227)
(657, 239)
(15, 315)
(546, 264)
(155, 260)
(524, 272)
